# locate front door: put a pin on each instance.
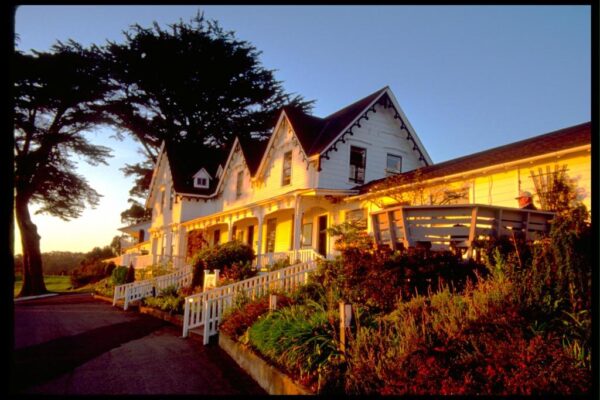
(322, 239)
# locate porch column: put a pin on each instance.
(230, 230)
(259, 249)
(297, 224)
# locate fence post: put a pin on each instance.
(272, 302)
(345, 320)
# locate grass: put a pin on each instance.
(54, 283)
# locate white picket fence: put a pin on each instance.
(138, 290)
(206, 308)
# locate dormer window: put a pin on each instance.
(202, 179)
(201, 182)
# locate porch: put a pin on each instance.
(292, 227)
(455, 226)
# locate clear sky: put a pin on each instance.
(468, 77)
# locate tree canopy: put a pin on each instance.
(189, 82)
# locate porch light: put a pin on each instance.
(191, 300)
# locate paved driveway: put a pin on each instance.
(73, 344)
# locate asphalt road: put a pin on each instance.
(74, 344)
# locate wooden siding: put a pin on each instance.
(380, 135)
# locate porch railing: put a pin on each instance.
(138, 290)
(450, 226)
(206, 309)
(294, 256)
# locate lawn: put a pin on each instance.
(54, 283)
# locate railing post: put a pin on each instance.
(345, 320)
(272, 302)
(186, 317)
(206, 317)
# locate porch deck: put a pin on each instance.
(455, 226)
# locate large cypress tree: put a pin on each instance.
(191, 82)
(58, 97)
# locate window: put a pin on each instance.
(394, 164)
(171, 200)
(307, 234)
(238, 184)
(287, 169)
(201, 182)
(216, 237)
(358, 161)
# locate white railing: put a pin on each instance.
(138, 290)
(294, 256)
(206, 308)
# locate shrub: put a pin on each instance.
(301, 339)
(87, 273)
(240, 318)
(109, 268)
(238, 271)
(119, 275)
(234, 256)
(130, 277)
(171, 304)
(280, 264)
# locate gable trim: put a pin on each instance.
(405, 125)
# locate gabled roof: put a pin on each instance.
(253, 151)
(316, 133)
(575, 136)
(185, 160)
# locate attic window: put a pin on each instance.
(201, 182)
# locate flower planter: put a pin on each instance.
(268, 377)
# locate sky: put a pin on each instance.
(468, 78)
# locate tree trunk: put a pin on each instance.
(33, 276)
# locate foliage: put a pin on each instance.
(55, 262)
(170, 302)
(58, 96)
(195, 242)
(119, 275)
(105, 287)
(190, 83)
(476, 342)
(241, 317)
(302, 339)
(91, 268)
(130, 277)
(136, 213)
(280, 264)
(109, 268)
(232, 259)
(377, 279)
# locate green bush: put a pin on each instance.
(170, 304)
(119, 275)
(302, 339)
(280, 264)
(110, 267)
(232, 259)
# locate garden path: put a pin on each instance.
(73, 344)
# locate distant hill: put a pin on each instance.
(54, 262)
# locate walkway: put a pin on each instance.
(73, 344)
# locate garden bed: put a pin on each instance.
(267, 376)
(175, 319)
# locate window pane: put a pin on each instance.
(287, 168)
(358, 160)
(394, 163)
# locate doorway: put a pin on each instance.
(322, 236)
